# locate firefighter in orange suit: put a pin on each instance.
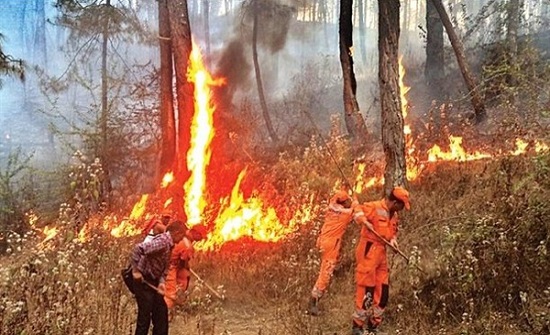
(177, 279)
(371, 275)
(338, 216)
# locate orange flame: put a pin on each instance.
(456, 153)
(242, 217)
(49, 233)
(202, 132)
(413, 168)
(359, 180)
(127, 226)
(167, 179)
(139, 207)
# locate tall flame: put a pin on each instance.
(202, 132)
(413, 168)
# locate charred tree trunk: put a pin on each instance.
(393, 138)
(434, 70)
(167, 119)
(181, 49)
(475, 96)
(265, 111)
(355, 124)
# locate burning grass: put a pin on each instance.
(479, 230)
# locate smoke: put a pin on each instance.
(234, 63)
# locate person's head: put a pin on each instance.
(398, 199)
(346, 202)
(165, 217)
(194, 234)
(158, 227)
(177, 230)
(343, 198)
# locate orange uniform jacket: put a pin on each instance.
(378, 215)
(178, 270)
(372, 275)
(337, 219)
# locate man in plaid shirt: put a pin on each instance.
(149, 262)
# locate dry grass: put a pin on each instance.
(480, 232)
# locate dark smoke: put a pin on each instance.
(235, 61)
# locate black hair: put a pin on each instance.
(176, 227)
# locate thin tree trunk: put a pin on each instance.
(477, 101)
(512, 26)
(393, 138)
(104, 117)
(265, 111)
(167, 119)
(181, 49)
(355, 124)
(435, 57)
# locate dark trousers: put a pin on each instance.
(151, 307)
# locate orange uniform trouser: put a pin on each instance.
(371, 277)
(330, 251)
(174, 279)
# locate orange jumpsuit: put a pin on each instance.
(329, 241)
(178, 271)
(371, 276)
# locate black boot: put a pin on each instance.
(356, 329)
(371, 329)
(313, 309)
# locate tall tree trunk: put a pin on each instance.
(355, 124)
(362, 31)
(206, 18)
(40, 53)
(512, 26)
(434, 70)
(104, 117)
(393, 138)
(477, 101)
(265, 111)
(167, 119)
(181, 49)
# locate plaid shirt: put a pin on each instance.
(152, 257)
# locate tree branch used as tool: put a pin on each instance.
(401, 253)
(151, 286)
(216, 293)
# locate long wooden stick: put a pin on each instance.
(401, 253)
(216, 293)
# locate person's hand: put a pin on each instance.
(369, 226)
(394, 244)
(137, 276)
(161, 288)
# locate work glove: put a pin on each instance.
(161, 289)
(394, 244)
(137, 276)
(369, 226)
